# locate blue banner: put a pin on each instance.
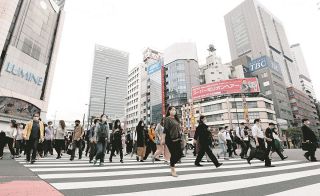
(154, 68)
(261, 63)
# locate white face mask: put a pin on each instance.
(104, 119)
(36, 118)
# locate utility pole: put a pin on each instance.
(105, 94)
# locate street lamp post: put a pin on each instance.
(105, 94)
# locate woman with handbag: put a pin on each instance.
(173, 138)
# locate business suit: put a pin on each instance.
(308, 134)
(271, 144)
(203, 135)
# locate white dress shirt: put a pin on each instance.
(257, 131)
(227, 135)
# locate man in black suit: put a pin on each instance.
(309, 136)
(271, 141)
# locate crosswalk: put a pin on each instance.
(234, 177)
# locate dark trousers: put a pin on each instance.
(48, 147)
(59, 145)
(108, 147)
(271, 145)
(262, 147)
(151, 147)
(311, 153)
(247, 146)
(3, 142)
(175, 151)
(101, 149)
(243, 147)
(19, 146)
(229, 146)
(93, 150)
(114, 149)
(32, 144)
(76, 144)
(88, 147)
(206, 149)
(129, 147)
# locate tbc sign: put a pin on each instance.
(261, 63)
(19, 72)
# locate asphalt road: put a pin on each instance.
(293, 176)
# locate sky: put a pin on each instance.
(134, 25)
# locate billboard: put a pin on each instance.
(224, 87)
(261, 63)
(154, 68)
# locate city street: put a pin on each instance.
(294, 176)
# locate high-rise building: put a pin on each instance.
(30, 32)
(254, 31)
(154, 62)
(214, 70)
(133, 108)
(181, 73)
(302, 108)
(304, 77)
(109, 83)
(271, 85)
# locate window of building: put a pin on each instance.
(237, 104)
(267, 83)
(211, 108)
(213, 118)
(268, 105)
(252, 104)
(264, 75)
(254, 115)
(268, 92)
(270, 116)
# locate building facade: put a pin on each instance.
(272, 85)
(304, 76)
(133, 107)
(29, 41)
(214, 70)
(112, 64)
(154, 63)
(181, 73)
(253, 31)
(226, 111)
(302, 108)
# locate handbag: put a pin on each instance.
(69, 150)
(258, 154)
(306, 146)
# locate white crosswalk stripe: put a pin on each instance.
(79, 177)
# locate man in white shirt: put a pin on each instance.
(259, 138)
(222, 142)
(239, 140)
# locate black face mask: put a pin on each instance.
(77, 124)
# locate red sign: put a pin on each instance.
(223, 87)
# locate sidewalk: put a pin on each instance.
(16, 180)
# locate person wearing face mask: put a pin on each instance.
(10, 134)
(172, 136)
(33, 133)
(76, 140)
(203, 135)
(101, 137)
(310, 138)
(117, 140)
(59, 134)
(92, 140)
(48, 138)
(222, 143)
(19, 140)
(141, 141)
